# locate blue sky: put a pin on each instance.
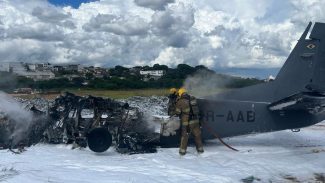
(73, 3)
(241, 37)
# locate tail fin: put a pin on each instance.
(304, 69)
(317, 83)
(303, 72)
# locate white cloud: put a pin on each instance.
(257, 52)
(208, 61)
(168, 56)
(207, 19)
(153, 4)
(54, 16)
(117, 25)
(215, 41)
(216, 33)
(174, 25)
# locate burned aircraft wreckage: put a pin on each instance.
(85, 121)
(295, 99)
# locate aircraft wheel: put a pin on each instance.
(99, 139)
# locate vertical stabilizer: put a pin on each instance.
(304, 69)
(317, 82)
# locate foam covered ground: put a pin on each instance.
(273, 157)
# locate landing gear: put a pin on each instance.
(99, 140)
(295, 130)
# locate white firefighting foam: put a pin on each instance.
(275, 157)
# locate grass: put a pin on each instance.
(115, 94)
(118, 94)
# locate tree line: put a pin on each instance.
(121, 77)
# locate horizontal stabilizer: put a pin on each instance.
(307, 101)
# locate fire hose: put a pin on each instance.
(212, 132)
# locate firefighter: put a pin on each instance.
(187, 109)
(172, 101)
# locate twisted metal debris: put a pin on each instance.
(83, 121)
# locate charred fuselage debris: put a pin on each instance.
(85, 121)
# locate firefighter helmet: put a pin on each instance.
(172, 90)
(181, 91)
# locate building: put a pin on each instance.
(38, 75)
(153, 74)
(43, 66)
(157, 73)
(57, 68)
(13, 67)
(38, 66)
(28, 70)
(72, 67)
(32, 67)
(100, 72)
(67, 67)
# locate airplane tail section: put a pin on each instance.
(300, 84)
(302, 75)
(304, 70)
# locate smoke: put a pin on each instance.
(150, 107)
(151, 123)
(204, 83)
(18, 118)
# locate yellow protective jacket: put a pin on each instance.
(187, 109)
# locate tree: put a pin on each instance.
(78, 81)
(160, 67)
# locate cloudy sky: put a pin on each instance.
(220, 34)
